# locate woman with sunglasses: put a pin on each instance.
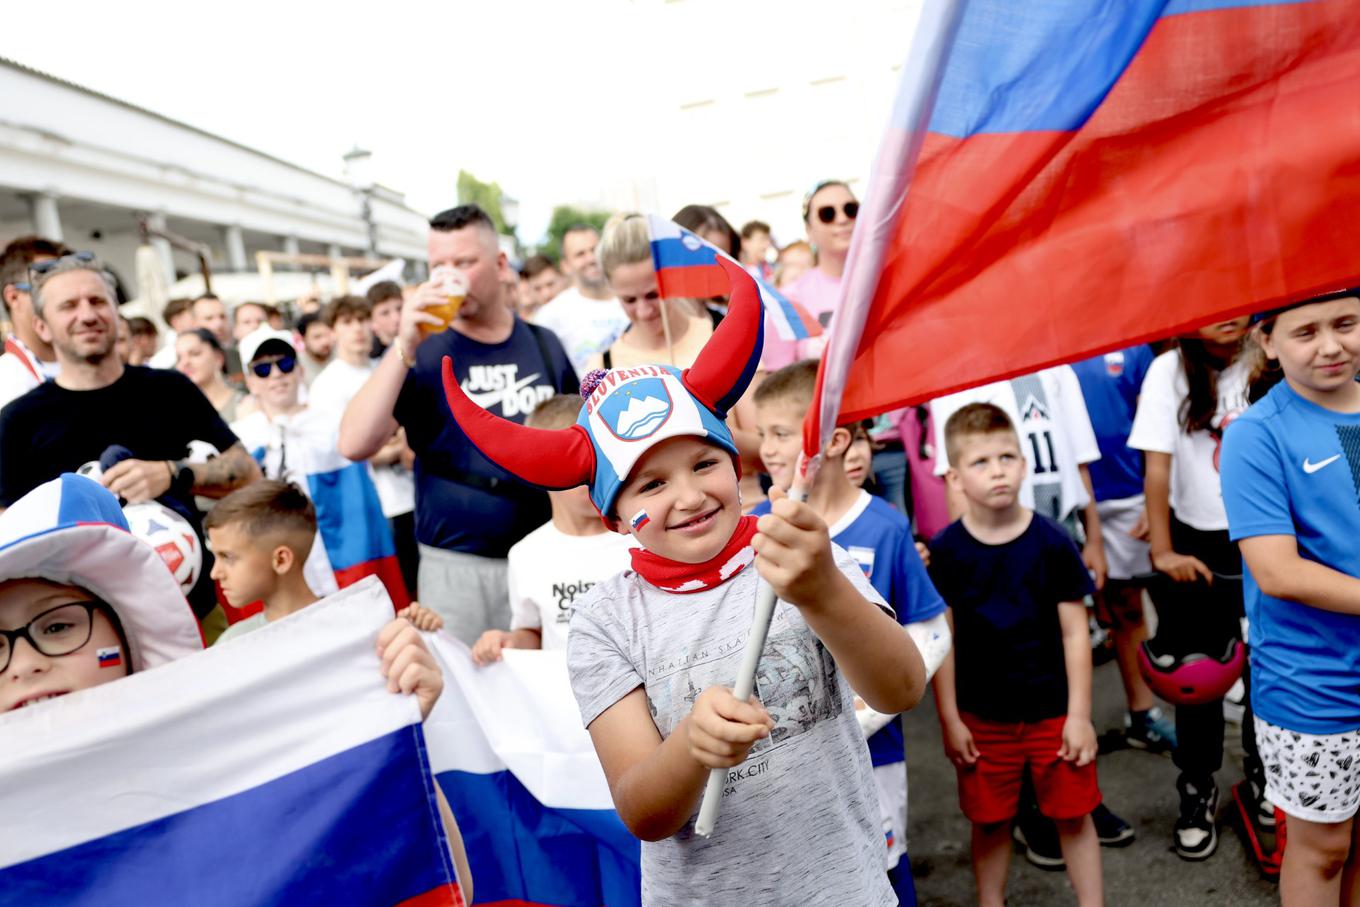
(200, 358)
(829, 212)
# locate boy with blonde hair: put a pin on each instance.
(260, 537)
(1015, 696)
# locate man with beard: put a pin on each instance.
(96, 403)
(585, 316)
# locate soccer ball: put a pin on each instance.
(172, 537)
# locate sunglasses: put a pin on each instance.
(827, 213)
(40, 269)
(263, 369)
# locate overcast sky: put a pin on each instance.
(550, 99)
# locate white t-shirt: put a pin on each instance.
(331, 392)
(549, 570)
(1196, 492)
(585, 326)
(21, 371)
(1056, 437)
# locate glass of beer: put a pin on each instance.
(453, 285)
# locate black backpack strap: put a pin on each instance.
(608, 359)
(542, 344)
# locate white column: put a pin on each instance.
(46, 217)
(334, 251)
(236, 247)
(156, 221)
(290, 245)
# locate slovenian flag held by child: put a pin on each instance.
(687, 268)
(510, 754)
(276, 770)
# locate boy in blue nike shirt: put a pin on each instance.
(879, 539)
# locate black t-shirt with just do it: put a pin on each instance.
(464, 502)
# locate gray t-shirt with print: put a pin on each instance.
(800, 818)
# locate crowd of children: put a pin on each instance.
(1220, 477)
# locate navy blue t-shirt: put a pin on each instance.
(464, 502)
(879, 539)
(1008, 653)
(1110, 386)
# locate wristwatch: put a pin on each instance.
(183, 481)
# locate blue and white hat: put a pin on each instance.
(629, 411)
(72, 531)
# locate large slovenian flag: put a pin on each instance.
(1096, 174)
(687, 268)
(524, 781)
(277, 769)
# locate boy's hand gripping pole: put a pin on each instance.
(750, 660)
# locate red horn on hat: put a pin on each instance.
(554, 459)
(728, 362)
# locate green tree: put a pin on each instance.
(487, 196)
(563, 217)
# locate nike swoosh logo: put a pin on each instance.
(1311, 468)
(486, 399)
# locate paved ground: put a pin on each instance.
(1138, 786)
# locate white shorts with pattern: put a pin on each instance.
(1315, 777)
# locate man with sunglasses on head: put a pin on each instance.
(96, 403)
(28, 360)
(829, 211)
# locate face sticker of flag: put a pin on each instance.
(640, 519)
(111, 657)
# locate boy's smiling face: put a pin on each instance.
(688, 488)
(780, 426)
(31, 676)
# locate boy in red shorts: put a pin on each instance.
(1015, 695)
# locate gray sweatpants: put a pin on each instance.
(470, 592)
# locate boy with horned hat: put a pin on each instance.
(654, 650)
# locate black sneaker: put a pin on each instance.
(1195, 837)
(1110, 829)
(1038, 838)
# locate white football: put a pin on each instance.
(172, 537)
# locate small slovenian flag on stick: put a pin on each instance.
(640, 520)
(687, 268)
(111, 657)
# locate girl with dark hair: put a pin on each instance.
(1189, 396)
(200, 358)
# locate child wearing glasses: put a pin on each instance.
(296, 442)
(83, 602)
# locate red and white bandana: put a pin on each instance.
(673, 576)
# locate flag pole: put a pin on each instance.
(922, 74)
(750, 658)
